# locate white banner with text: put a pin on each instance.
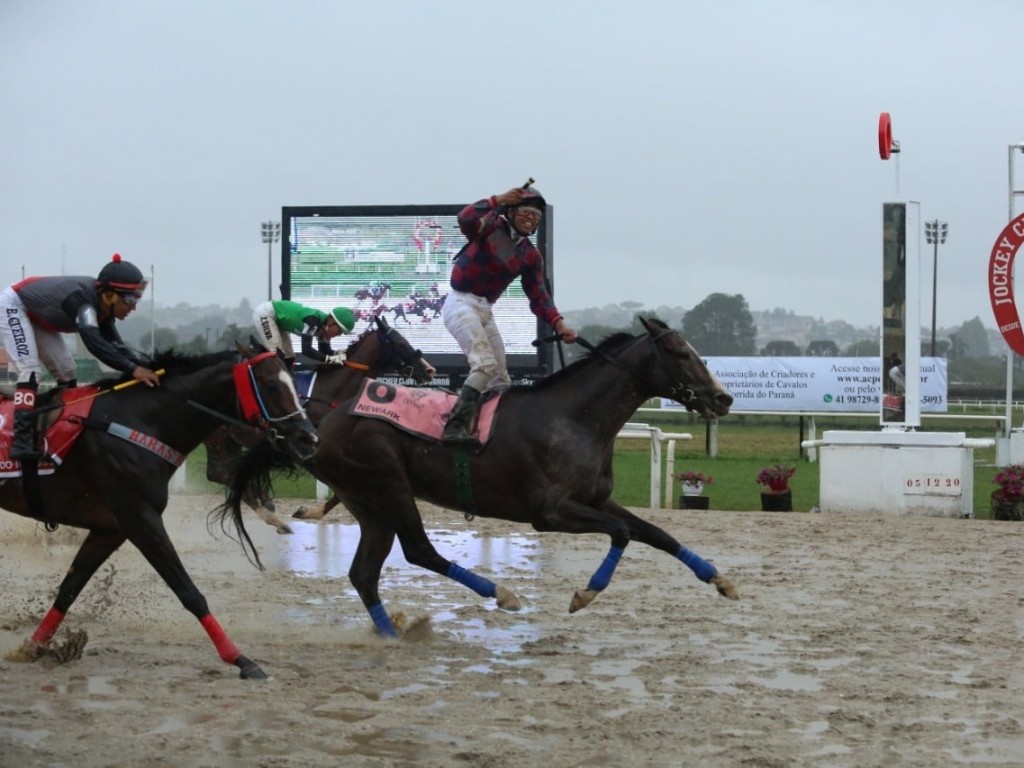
(837, 384)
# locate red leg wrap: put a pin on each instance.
(221, 641)
(48, 628)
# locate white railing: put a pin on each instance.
(633, 431)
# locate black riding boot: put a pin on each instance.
(462, 420)
(23, 446)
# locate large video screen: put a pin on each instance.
(395, 261)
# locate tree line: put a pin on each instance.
(722, 325)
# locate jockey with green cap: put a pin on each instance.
(275, 320)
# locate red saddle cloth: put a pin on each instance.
(421, 412)
(60, 436)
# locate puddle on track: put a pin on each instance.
(325, 550)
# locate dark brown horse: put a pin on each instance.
(379, 349)
(113, 482)
(548, 464)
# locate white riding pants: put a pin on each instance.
(265, 320)
(896, 374)
(30, 348)
(469, 319)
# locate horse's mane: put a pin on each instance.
(359, 339)
(607, 345)
(173, 360)
(178, 362)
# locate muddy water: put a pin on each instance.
(857, 642)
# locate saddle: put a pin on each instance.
(60, 426)
(420, 412)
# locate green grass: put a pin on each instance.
(300, 487)
(746, 444)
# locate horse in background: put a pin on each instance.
(548, 463)
(378, 350)
(114, 480)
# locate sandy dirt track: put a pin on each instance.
(857, 642)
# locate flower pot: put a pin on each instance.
(694, 502)
(1006, 507)
(777, 502)
(692, 489)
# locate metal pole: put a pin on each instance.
(152, 311)
(1008, 423)
(271, 232)
(935, 283)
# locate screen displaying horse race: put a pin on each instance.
(394, 262)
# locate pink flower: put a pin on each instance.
(693, 478)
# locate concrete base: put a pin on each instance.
(898, 473)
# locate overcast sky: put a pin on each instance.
(687, 148)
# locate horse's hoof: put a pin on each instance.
(508, 600)
(725, 587)
(70, 648)
(300, 513)
(284, 528)
(582, 599)
(250, 670)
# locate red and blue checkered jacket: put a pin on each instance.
(493, 259)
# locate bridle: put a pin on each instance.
(677, 390)
(250, 400)
(389, 351)
(254, 409)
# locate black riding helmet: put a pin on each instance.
(533, 199)
(121, 276)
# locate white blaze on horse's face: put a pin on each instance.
(288, 382)
(695, 353)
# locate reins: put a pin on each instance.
(384, 334)
(686, 394)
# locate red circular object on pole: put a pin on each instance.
(1000, 283)
(884, 136)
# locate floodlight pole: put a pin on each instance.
(935, 233)
(152, 311)
(271, 232)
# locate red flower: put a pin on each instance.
(1011, 481)
(776, 477)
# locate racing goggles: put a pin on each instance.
(130, 298)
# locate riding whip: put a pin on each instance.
(115, 388)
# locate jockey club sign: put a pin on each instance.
(1000, 283)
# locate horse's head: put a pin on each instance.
(267, 394)
(680, 373)
(384, 350)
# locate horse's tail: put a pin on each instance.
(250, 477)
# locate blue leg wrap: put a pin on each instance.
(704, 570)
(480, 585)
(382, 621)
(603, 575)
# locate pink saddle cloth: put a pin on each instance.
(61, 434)
(420, 412)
